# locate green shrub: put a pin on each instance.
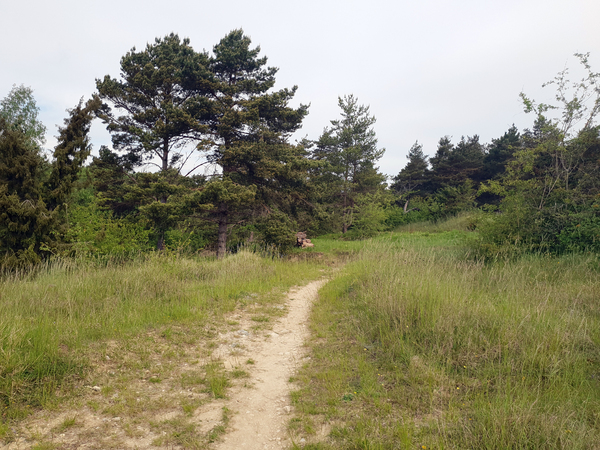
(278, 229)
(369, 217)
(519, 229)
(93, 230)
(581, 234)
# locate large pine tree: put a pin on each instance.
(158, 105)
(250, 126)
(171, 98)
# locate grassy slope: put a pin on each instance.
(52, 323)
(416, 347)
(413, 346)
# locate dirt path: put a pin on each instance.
(261, 412)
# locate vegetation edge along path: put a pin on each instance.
(261, 412)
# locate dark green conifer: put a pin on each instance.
(249, 127)
(71, 152)
(350, 150)
(159, 104)
(26, 224)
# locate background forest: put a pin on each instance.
(202, 160)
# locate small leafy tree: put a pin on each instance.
(550, 186)
(20, 111)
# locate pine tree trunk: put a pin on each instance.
(222, 239)
(160, 244)
(165, 155)
(345, 214)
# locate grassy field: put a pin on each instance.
(55, 324)
(417, 346)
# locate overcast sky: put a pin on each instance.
(426, 68)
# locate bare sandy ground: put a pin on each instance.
(263, 410)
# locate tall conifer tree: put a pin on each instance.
(350, 148)
(250, 126)
(159, 103)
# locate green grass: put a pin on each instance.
(50, 320)
(416, 345)
(464, 221)
(217, 380)
(67, 423)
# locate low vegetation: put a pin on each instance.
(415, 342)
(418, 346)
(71, 317)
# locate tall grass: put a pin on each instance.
(464, 221)
(49, 318)
(426, 348)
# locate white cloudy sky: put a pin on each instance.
(427, 68)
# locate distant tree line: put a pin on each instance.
(535, 191)
(201, 159)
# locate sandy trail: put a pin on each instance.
(261, 412)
